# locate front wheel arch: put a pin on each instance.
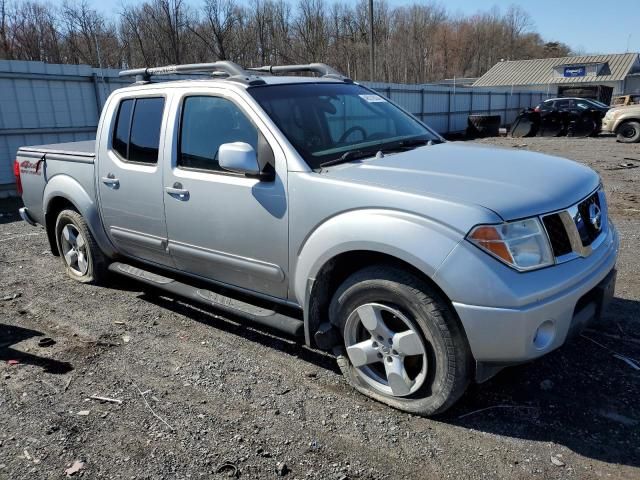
(336, 270)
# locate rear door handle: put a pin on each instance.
(177, 191)
(111, 181)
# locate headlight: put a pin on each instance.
(522, 244)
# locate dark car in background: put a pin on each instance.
(574, 105)
(574, 117)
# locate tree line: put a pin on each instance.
(415, 43)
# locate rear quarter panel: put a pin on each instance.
(67, 176)
(61, 175)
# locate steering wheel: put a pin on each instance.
(378, 136)
(349, 131)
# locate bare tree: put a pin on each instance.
(87, 37)
(419, 42)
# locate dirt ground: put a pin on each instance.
(199, 391)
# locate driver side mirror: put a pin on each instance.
(239, 157)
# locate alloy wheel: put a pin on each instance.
(386, 349)
(74, 249)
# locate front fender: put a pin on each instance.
(70, 189)
(625, 118)
(416, 240)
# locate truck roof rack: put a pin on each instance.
(232, 70)
(322, 69)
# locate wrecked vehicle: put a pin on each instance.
(315, 206)
(624, 122)
(556, 117)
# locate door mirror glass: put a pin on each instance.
(239, 157)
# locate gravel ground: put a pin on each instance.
(199, 391)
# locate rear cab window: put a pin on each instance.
(136, 136)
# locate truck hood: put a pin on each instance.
(512, 183)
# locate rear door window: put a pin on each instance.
(123, 126)
(137, 133)
(145, 130)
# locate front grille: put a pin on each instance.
(558, 237)
(574, 231)
(588, 233)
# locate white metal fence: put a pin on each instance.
(446, 109)
(47, 103)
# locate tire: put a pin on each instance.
(552, 125)
(480, 126)
(418, 320)
(581, 128)
(629, 132)
(82, 258)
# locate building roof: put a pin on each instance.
(605, 68)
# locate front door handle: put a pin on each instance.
(177, 191)
(111, 181)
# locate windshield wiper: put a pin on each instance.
(404, 145)
(348, 156)
(398, 146)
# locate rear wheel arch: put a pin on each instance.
(53, 208)
(63, 189)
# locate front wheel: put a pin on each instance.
(629, 132)
(404, 346)
(82, 258)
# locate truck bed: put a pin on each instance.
(85, 148)
(69, 165)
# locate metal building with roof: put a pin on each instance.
(591, 76)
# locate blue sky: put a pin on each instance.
(585, 25)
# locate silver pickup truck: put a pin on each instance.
(314, 206)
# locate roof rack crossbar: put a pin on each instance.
(145, 74)
(320, 68)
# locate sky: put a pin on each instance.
(584, 25)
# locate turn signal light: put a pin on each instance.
(488, 238)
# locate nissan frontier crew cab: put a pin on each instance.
(314, 206)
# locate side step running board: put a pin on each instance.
(254, 313)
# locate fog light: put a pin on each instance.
(544, 335)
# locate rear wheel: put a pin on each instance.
(82, 258)
(629, 132)
(403, 345)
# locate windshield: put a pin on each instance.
(326, 121)
(599, 104)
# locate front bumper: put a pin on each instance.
(607, 125)
(541, 308)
